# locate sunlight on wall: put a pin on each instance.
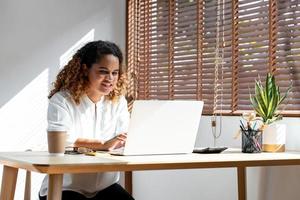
(64, 59)
(23, 118)
(23, 125)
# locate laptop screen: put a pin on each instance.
(163, 127)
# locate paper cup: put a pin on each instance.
(56, 143)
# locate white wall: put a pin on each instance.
(36, 34)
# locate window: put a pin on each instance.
(176, 50)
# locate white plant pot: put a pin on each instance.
(274, 137)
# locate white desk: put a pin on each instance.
(56, 166)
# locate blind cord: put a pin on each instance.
(219, 61)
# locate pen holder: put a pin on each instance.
(251, 141)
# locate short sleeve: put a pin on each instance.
(123, 118)
(59, 118)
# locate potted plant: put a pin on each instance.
(266, 102)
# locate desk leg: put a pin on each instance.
(128, 182)
(54, 186)
(242, 180)
(27, 192)
(9, 179)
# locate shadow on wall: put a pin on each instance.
(35, 34)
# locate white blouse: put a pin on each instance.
(102, 120)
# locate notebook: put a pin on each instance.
(162, 127)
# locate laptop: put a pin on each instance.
(162, 127)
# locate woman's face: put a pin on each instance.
(103, 76)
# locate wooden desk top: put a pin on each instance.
(44, 163)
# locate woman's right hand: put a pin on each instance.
(116, 142)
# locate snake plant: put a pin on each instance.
(267, 99)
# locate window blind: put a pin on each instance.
(173, 48)
(288, 51)
(253, 41)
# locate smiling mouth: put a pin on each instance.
(107, 85)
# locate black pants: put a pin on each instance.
(113, 192)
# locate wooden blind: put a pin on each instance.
(288, 51)
(222, 87)
(132, 49)
(172, 50)
(253, 41)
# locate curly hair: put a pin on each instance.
(74, 76)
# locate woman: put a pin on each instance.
(87, 103)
